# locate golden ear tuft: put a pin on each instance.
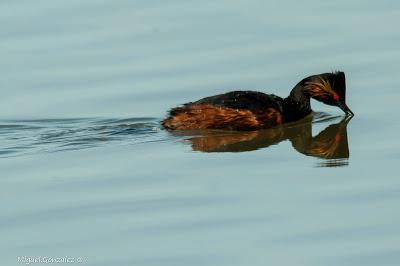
(322, 88)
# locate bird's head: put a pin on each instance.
(329, 88)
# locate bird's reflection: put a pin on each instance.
(330, 144)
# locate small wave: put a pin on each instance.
(321, 117)
(21, 137)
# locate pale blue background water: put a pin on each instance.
(141, 196)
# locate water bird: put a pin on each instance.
(253, 110)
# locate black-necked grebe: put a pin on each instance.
(251, 110)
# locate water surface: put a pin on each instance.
(87, 171)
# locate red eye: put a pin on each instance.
(336, 97)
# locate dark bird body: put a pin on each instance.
(251, 110)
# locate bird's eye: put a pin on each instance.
(336, 97)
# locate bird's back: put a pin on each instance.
(245, 100)
(239, 110)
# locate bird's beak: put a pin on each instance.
(345, 108)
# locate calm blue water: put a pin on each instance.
(88, 173)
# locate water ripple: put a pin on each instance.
(21, 137)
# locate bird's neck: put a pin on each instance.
(297, 104)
